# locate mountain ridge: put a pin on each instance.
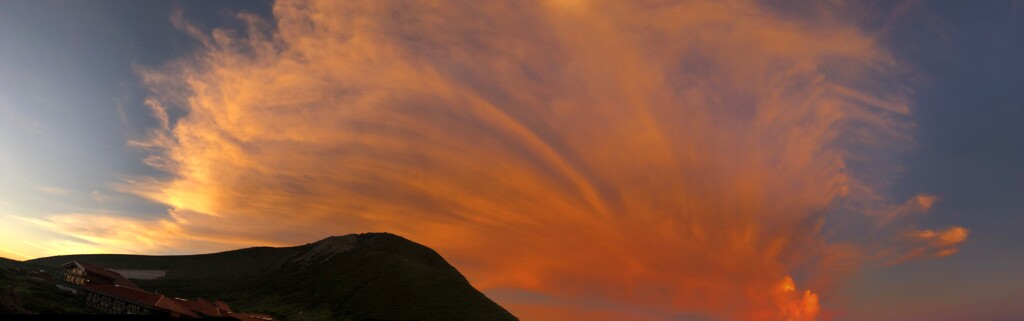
(364, 276)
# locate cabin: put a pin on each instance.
(111, 293)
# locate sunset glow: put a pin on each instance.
(587, 160)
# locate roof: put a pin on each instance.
(126, 293)
(117, 278)
(251, 316)
(126, 290)
(173, 306)
(89, 268)
(147, 299)
(204, 308)
(222, 305)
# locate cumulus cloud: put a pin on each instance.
(670, 157)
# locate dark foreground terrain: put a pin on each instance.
(23, 294)
(373, 276)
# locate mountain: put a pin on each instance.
(372, 276)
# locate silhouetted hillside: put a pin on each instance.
(23, 294)
(354, 277)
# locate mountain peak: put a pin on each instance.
(327, 248)
(338, 239)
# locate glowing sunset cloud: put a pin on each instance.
(670, 158)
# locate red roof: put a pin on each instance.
(174, 306)
(251, 316)
(126, 290)
(126, 293)
(96, 270)
(222, 305)
(206, 309)
(115, 277)
(140, 297)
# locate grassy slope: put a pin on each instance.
(384, 277)
(12, 264)
(244, 262)
(35, 296)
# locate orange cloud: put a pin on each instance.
(669, 157)
(803, 307)
(942, 243)
(920, 203)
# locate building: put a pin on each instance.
(83, 274)
(109, 292)
(116, 299)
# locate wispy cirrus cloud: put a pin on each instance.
(675, 158)
(939, 243)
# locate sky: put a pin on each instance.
(598, 160)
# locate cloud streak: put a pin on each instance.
(668, 157)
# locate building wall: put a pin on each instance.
(110, 305)
(79, 276)
(75, 275)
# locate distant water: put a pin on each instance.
(141, 274)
